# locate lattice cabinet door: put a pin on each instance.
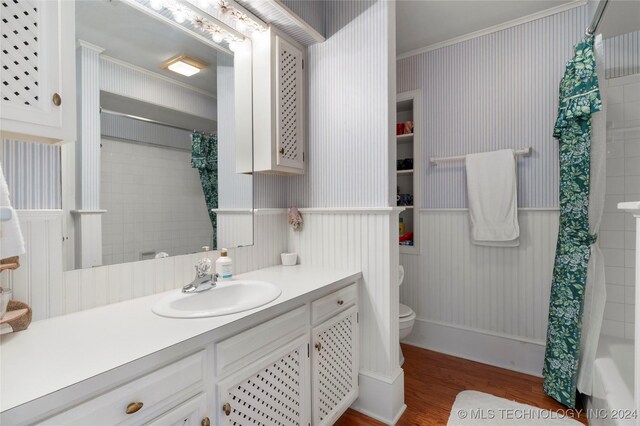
(274, 391)
(289, 105)
(334, 367)
(38, 68)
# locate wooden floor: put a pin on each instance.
(432, 380)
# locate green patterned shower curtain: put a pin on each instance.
(204, 157)
(579, 98)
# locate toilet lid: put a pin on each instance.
(405, 311)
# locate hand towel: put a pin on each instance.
(11, 240)
(493, 201)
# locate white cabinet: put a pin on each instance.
(189, 413)
(278, 104)
(335, 367)
(272, 391)
(141, 399)
(38, 69)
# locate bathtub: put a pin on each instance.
(612, 384)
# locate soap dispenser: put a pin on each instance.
(224, 265)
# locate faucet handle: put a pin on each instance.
(203, 267)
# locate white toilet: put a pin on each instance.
(406, 316)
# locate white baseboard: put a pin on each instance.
(382, 400)
(500, 351)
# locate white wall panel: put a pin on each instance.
(365, 239)
(133, 82)
(38, 280)
(51, 292)
(499, 291)
(347, 157)
(32, 171)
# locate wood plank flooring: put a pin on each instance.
(432, 381)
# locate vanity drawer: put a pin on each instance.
(253, 344)
(156, 391)
(331, 304)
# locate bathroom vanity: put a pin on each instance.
(291, 361)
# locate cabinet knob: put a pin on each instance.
(134, 407)
(340, 302)
(226, 408)
(281, 151)
(318, 346)
(205, 422)
(56, 99)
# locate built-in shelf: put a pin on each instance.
(406, 138)
(407, 147)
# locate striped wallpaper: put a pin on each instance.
(33, 174)
(348, 102)
(311, 11)
(500, 91)
(622, 55)
(492, 92)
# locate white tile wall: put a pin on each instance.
(154, 202)
(617, 232)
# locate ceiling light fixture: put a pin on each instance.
(185, 65)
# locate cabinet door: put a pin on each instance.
(289, 105)
(273, 391)
(335, 367)
(38, 68)
(189, 413)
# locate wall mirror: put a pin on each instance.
(153, 173)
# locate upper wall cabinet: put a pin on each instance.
(278, 104)
(38, 69)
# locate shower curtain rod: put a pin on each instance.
(150, 121)
(597, 17)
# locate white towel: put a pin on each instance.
(11, 241)
(493, 201)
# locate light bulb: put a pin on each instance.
(180, 16)
(155, 4)
(234, 46)
(217, 37)
(241, 25)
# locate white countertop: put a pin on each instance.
(62, 351)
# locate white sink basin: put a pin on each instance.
(228, 297)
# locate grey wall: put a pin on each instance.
(348, 106)
(500, 91)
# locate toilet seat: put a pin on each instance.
(404, 311)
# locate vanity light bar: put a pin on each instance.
(182, 11)
(242, 19)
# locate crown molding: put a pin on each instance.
(495, 28)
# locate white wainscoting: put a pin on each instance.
(50, 292)
(39, 277)
(502, 293)
(341, 238)
(366, 239)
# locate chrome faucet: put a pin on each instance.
(204, 279)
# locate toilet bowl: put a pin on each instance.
(406, 317)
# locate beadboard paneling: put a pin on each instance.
(133, 82)
(495, 91)
(52, 292)
(622, 55)
(500, 291)
(32, 171)
(311, 11)
(37, 280)
(365, 240)
(235, 191)
(348, 131)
